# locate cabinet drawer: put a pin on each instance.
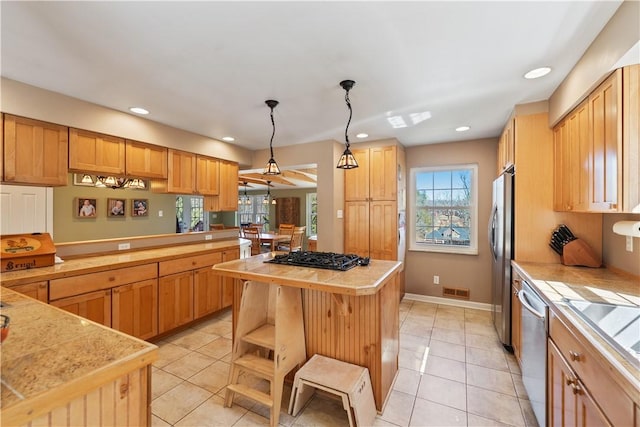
(37, 290)
(69, 286)
(189, 263)
(615, 403)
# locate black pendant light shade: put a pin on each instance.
(347, 161)
(272, 167)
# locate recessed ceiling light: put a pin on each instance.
(138, 110)
(362, 135)
(228, 138)
(538, 72)
(462, 128)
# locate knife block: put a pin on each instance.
(578, 252)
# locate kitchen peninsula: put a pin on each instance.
(349, 315)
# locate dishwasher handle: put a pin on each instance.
(525, 303)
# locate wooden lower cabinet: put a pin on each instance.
(371, 229)
(516, 315)
(36, 290)
(227, 282)
(123, 402)
(94, 306)
(570, 404)
(175, 301)
(207, 292)
(134, 309)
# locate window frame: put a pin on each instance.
(472, 249)
(310, 197)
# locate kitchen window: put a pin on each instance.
(443, 209)
(255, 211)
(312, 214)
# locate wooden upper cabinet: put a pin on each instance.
(34, 152)
(631, 140)
(94, 152)
(227, 200)
(506, 146)
(145, 160)
(207, 176)
(375, 178)
(181, 177)
(605, 123)
(356, 181)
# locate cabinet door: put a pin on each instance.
(36, 290)
(383, 173)
(135, 309)
(34, 152)
(181, 174)
(146, 160)
(175, 301)
(516, 313)
(94, 306)
(207, 292)
(560, 167)
(356, 230)
(356, 181)
(94, 152)
(578, 158)
(228, 186)
(228, 282)
(587, 411)
(606, 130)
(207, 176)
(561, 405)
(631, 141)
(383, 230)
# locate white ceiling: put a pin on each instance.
(207, 67)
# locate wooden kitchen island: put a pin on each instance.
(351, 315)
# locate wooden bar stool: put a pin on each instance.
(349, 382)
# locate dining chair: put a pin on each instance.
(297, 238)
(285, 229)
(253, 234)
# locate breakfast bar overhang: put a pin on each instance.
(352, 315)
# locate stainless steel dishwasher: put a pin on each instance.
(535, 327)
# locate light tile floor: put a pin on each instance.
(453, 371)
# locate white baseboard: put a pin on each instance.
(447, 301)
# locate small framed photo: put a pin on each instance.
(85, 207)
(116, 207)
(139, 207)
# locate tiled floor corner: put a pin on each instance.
(453, 372)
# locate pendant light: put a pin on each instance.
(347, 161)
(268, 196)
(272, 167)
(245, 199)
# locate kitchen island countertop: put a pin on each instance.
(51, 357)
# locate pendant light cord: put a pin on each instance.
(273, 124)
(346, 131)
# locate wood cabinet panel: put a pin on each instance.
(356, 181)
(94, 152)
(188, 263)
(175, 296)
(181, 173)
(227, 199)
(605, 106)
(145, 160)
(207, 292)
(69, 286)
(383, 173)
(228, 283)
(207, 176)
(631, 139)
(34, 152)
(36, 290)
(516, 315)
(356, 228)
(383, 230)
(135, 309)
(287, 211)
(94, 306)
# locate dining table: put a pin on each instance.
(273, 239)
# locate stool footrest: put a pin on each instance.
(251, 393)
(264, 336)
(257, 365)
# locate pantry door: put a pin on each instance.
(26, 209)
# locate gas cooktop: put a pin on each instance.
(326, 260)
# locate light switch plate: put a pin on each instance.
(629, 245)
(339, 213)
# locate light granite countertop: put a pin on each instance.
(556, 281)
(360, 280)
(50, 352)
(92, 264)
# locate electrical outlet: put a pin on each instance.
(160, 213)
(629, 246)
(436, 280)
(208, 237)
(124, 246)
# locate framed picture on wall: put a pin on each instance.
(116, 207)
(85, 207)
(140, 207)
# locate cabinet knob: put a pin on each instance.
(575, 357)
(570, 381)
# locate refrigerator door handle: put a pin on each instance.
(492, 231)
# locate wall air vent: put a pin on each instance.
(461, 293)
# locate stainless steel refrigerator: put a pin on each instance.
(501, 244)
